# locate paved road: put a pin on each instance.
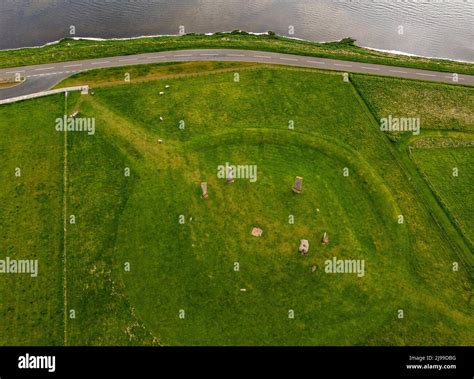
(43, 77)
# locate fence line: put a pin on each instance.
(84, 90)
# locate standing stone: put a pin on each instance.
(230, 175)
(204, 194)
(298, 187)
(325, 239)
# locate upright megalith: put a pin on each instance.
(325, 239)
(230, 174)
(298, 187)
(204, 194)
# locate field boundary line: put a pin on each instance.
(65, 224)
(83, 89)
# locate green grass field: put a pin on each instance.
(449, 173)
(174, 267)
(439, 107)
(30, 222)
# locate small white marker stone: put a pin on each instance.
(243, 290)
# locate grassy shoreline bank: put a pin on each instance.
(77, 49)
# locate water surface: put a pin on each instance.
(436, 28)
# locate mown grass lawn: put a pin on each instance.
(189, 267)
(30, 222)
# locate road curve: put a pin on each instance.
(43, 77)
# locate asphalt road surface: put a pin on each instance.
(42, 77)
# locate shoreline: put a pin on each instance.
(98, 39)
